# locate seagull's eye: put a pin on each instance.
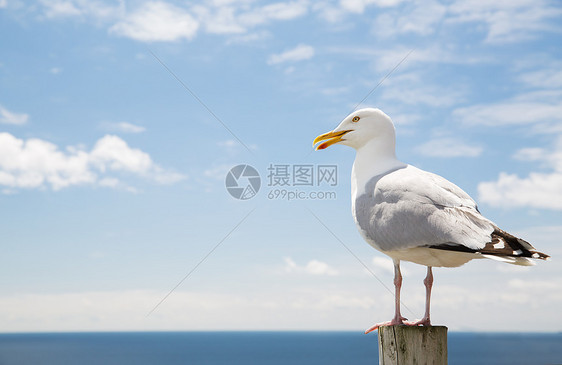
(355, 119)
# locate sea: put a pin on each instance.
(263, 348)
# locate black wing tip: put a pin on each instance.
(540, 255)
(501, 244)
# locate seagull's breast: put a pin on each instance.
(366, 209)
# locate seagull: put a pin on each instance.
(413, 215)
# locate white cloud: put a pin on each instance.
(448, 147)
(229, 143)
(535, 286)
(546, 78)
(338, 12)
(275, 11)
(218, 172)
(160, 20)
(358, 6)
(113, 153)
(530, 154)
(348, 307)
(507, 21)
(124, 127)
(289, 70)
(249, 37)
(3, 3)
(60, 8)
(157, 21)
(238, 17)
(110, 182)
(448, 300)
(537, 190)
(82, 9)
(502, 21)
(8, 117)
(35, 163)
(546, 158)
(127, 309)
(541, 109)
(299, 53)
(385, 59)
(422, 19)
(329, 12)
(313, 267)
(163, 176)
(114, 183)
(221, 20)
(316, 267)
(411, 89)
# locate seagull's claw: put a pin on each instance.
(422, 322)
(396, 321)
(400, 321)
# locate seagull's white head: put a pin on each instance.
(359, 128)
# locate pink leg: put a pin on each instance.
(428, 282)
(398, 319)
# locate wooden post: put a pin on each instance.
(404, 345)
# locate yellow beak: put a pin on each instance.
(331, 137)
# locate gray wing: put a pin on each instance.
(410, 208)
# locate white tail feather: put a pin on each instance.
(522, 261)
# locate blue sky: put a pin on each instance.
(112, 173)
